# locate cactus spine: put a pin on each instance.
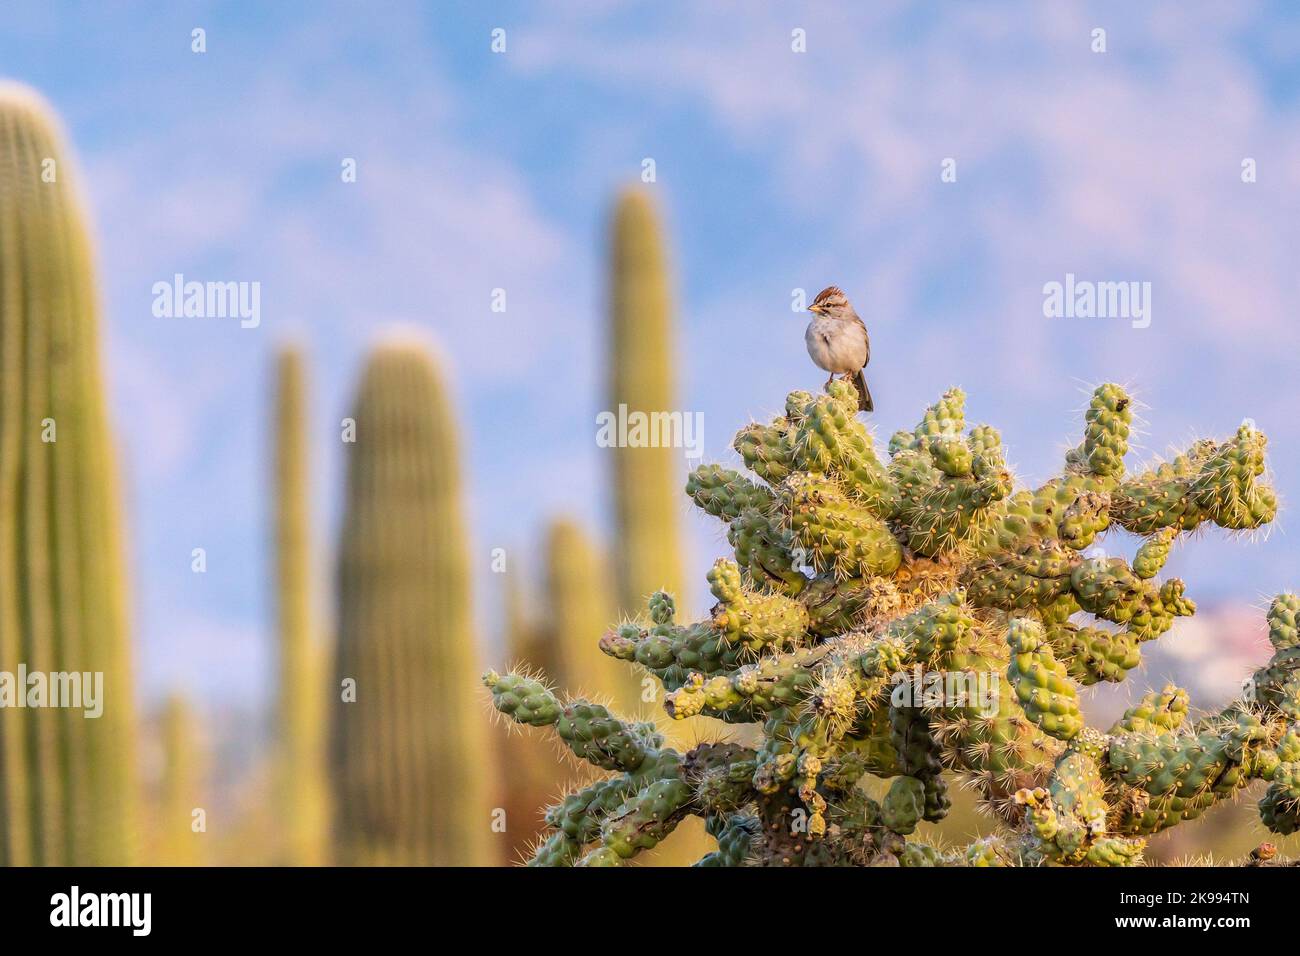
(641, 378)
(299, 767)
(67, 784)
(410, 753)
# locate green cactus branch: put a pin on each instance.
(854, 578)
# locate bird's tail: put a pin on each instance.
(864, 394)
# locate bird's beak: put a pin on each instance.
(817, 309)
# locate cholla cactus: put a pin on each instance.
(856, 581)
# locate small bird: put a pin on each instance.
(837, 340)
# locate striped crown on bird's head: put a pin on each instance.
(830, 299)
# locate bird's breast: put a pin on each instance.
(836, 346)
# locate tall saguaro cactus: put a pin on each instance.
(641, 378)
(410, 762)
(300, 772)
(67, 783)
(646, 479)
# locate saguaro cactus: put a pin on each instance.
(176, 841)
(560, 640)
(410, 759)
(300, 796)
(641, 378)
(857, 583)
(647, 555)
(68, 788)
(578, 607)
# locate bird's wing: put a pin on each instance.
(865, 337)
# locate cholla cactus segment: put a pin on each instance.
(1215, 482)
(904, 805)
(923, 618)
(724, 493)
(771, 683)
(837, 532)
(990, 852)
(750, 617)
(944, 419)
(768, 554)
(1041, 681)
(920, 755)
(527, 700)
(596, 735)
(1067, 822)
(1113, 592)
(768, 450)
(1158, 711)
(1092, 654)
(1153, 554)
(1178, 775)
(1279, 808)
(1277, 685)
(734, 835)
(921, 855)
(830, 440)
(1283, 632)
(1105, 443)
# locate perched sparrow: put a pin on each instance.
(838, 342)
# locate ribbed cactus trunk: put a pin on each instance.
(300, 765)
(411, 762)
(67, 783)
(647, 480)
(176, 842)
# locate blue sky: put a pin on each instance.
(776, 170)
